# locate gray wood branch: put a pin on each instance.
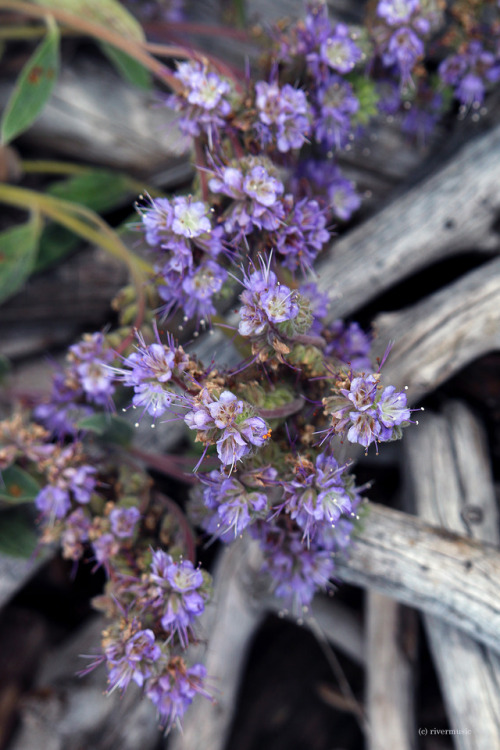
(443, 574)
(437, 337)
(456, 491)
(391, 646)
(450, 212)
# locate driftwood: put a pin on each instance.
(444, 574)
(456, 491)
(452, 211)
(391, 650)
(437, 337)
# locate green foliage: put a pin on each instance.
(17, 486)
(109, 428)
(366, 92)
(18, 537)
(33, 87)
(100, 189)
(108, 13)
(18, 249)
(131, 70)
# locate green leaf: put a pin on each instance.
(131, 70)
(18, 537)
(17, 486)
(101, 190)
(108, 427)
(33, 87)
(18, 248)
(109, 13)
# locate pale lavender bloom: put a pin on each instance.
(362, 392)
(337, 104)
(344, 200)
(105, 547)
(265, 302)
(88, 362)
(190, 217)
(283, 114)
(297, 572)
(172, 691)
(199, 288)
(365, 428)
(392, 410)
(157, 221)
(403, 50)
(81, 481)
(178, 598)
(75, 533)
(204, 103)
(397, 12)
(339, 52)
(303, 235)
(131, 659)
(236, 507)
(123, 521)
(53, 502)
(350, 344)
(317, 495)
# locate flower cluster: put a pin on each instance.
(367, 412)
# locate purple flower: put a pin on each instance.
(172, 692)
(362, 392)
(283, 115)
(296, 572)
(365, 428)
(265, 302)
(339, 52)
(392, 410)
(123, 521)
(235, 506)
(316, 495)
(53, 502)
(189, 218)
(75, 533)
(81, 481)
(204, 103)
(88, 363)
(302, 235)
(177, 594)
(105, 547)
(337, 104)
(349, 344)
(131, 658)
(403, 50)
(229, 423)
(199, 288)
(397, 12)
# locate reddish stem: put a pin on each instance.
(202, 168)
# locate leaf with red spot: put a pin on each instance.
(33, 87)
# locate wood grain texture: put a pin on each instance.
(456, 491)
(450, 212)
(438, 336)
(391, 648)
(441, 573)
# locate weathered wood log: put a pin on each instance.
(435, 338)
(452, 211)
(456, 491)
(391, 648)
(441, 573)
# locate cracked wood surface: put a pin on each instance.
(456, 491)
